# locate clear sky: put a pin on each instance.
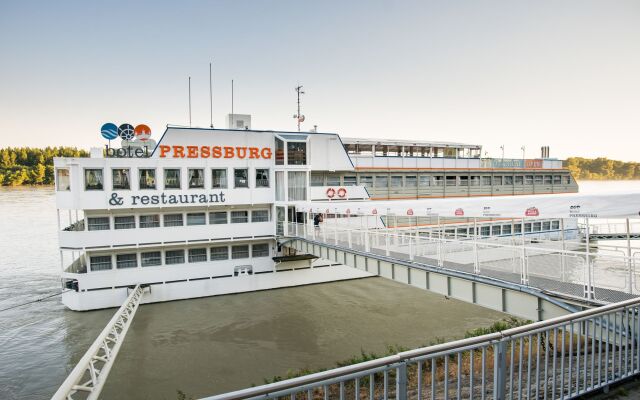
(559, 73)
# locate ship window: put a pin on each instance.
(438, 180)
(486, 181)
(517, 228)
(396, 181)
(173, 220)
(555, 225)
(508, 180)
(519, 179)
(528, 179)
(98, 223)
(100, 263)
(537, 226)
(120, 178)
(219, 253)
(297, 185)
(127, 222)
(197, 255)
(63, 182)
(279, 152)
(350, 181)
(296, 153)
(239, 217)
(150, 258)
(239, 251)
(451, 180)
(262, 177)
(366, 181)
(259, 215)
(497, 180)
(172, 178)
(218, 217)
(382, 181)
(260, 250)
(241, 177)
(196, 219)
(196, 178)
(557, 179)
(219, 178)
(475, 180)
(548, 179)
(317, 179)
(506, 229)
(485, 231)
(174, 257)
(93, 179)
(126, 261)
(425, 180)
(411, 181)
(150, 221)
(496, 230)
(147, 178)
(527, 227)
(280, 185)
(538, 179)
(393, 151)
(568, 179)
(464, 181)
(333, 180)
(546, 226)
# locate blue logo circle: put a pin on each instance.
(126, 132)
(109, 131)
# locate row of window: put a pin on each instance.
(171, 257)
(195, 218)
(413, 181)
(507, 229)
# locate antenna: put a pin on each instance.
(189, 102)
(299, 116)
(232, 117)
(210, 97)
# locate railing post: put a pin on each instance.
(524, 276)
(440, 234)
(401, 381)
(628, 227)
(499, 370)
(589, 284)
(476, 259)
(564, 249)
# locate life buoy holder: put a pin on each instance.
(342, 192)
(331, 192)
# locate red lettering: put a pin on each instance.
(266, 152)
(253, 152)
(164, 150)
(205, 151)
(216, 152)
(242, 152)
(228, 152)
(192, 151)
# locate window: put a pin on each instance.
(497, 180)
(411, 181)
(219, 253)
(546, 226)
(548, 179)
(63, 183)
(568, 179)
(425, 180)
(126, 261)
(149, 221)
(151, 258)
(120, 179)
(527, 227)
(239, 251)
(464, 181)
(485, 231)
(537, 226)
(519, 180)
(197, 255)
(517, 228)
(333, 180)
(196, 219)
(128, 222)
(174, 257)
(172, 178)
(147, 178)
(239, 217)
(98, 223)
(241, 177)
(508, 180)
(538, 179)
(396, 181)
(296, 153)
(279, 152)
(486, 181)
(260, 250)
(219, 178)
(196, 178)
(438, 180)
(350, 181)
(475, 180)
(496, 230)
(93, 179)
(280, 185)
(557, 180)
(297, 185)
(259, 215)
(555, 225)
(173, 220)
(262, 177)
(451, 180)
(528, 179)
(366, 181)
(218, 217)
(506, 229)
(317, 179)
(100, 263)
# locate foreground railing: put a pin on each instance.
(564, 357)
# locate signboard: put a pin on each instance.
(163, 199)
(510, 163)
(240, 152)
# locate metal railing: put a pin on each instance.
(560, 358)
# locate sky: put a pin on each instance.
(516, 73)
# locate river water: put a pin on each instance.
(201, 346)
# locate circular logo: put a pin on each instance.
(109, 131)
(142, 132)
(125, 131)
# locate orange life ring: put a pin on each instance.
(342, 192)
(331, 193)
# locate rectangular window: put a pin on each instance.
(174, 257)
(350, 180)
(527, 227)
(218, 218)
(496, 230)
(126, 261)
(219, 178)
(172, 178)
(279, 152)
(506, 229)
(517, 228)
(259, 215)
(127, 222)
(546, 226)
(317, 179)
(260, 250)
(151, 258)
(396, 181)
(557, 179)
(486, 181)
(196, 178)
(568, 179)
(411, 181)
(475, 180)
(149, 221)
(63, 183)
(497, 180)
(485, 231)
(464, 181)
(555, 225)
(173, 220)
(548, 179)
(333, 180)
(196, 219)
(147, 178)
(508, 180)
(280, 185)
(100, 263)
(219, 253)
(382, 181)
(262, 178)
(538, 179)
(451, 180)
(239, 251)
(296, 153)
(438, 180)
(297, 185)
(239, 217)
(519, 180)
(120, 179)
(197, 255)
(366, 181)
(537, 226)
(241, 177)
(93, 179)
(528, 179)
(425, 180)
(98, 223)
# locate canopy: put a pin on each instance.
(626, 205)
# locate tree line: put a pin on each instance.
(32, 166)
(602, 168)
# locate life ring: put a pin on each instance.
(331, 192)
(342, 192)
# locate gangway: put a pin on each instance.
(88, 377)
(611, 230)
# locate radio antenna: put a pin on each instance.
(210, 96)
(189, 102)
(299, 116)
(232, 117)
